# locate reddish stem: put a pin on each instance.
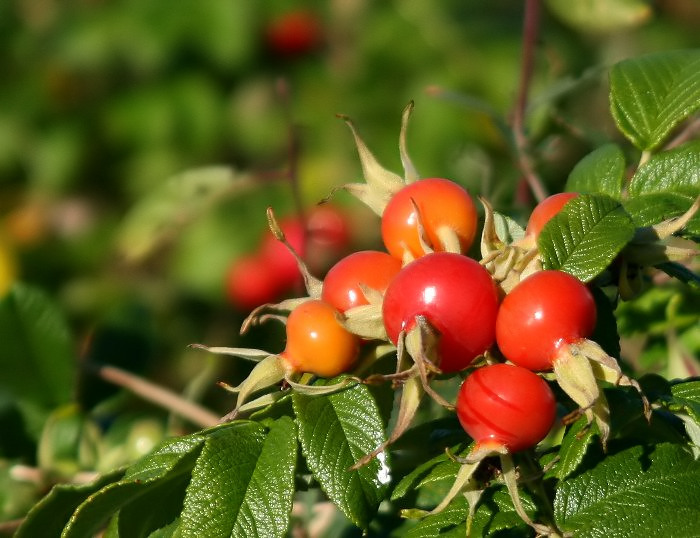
(530, 33)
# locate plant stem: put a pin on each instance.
(530, 32)
(159, 396)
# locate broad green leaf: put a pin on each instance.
(180, 199)
(335, 431)
(598, 16)
(599, 172)
(687, 397)
(168, 464)
(169, 531)
(640, 491)
(243, 483)
(652, 94)
(37, 356)
(50, 515)
(650, 209)
(674, 171)
(573, 448)
(586, 236)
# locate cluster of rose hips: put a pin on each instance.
(443, 312)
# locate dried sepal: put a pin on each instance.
(464, 481)
(365, 321)
(575, 376)
(268, 372)
(490, 242)
(313, 285)
(410, 172)
(509, 475)
(255, 355)
(380, 180)
(269, 311)
(381, 184)
(322, 390)
(606, 368)
(411, 395)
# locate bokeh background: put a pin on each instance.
(142, 140)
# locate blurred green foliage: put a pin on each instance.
(103, 102)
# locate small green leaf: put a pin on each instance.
(335, 431)
(37, 355)
(600, 172)
(573, 448)
(641, 491)
(652, 94)
(674, 171)
(168, 464)
(50, 515)
(585, 236)
(243, 483)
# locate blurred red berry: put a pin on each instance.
(250, 282)
(294, 34)
(277, 255)
(328, 228)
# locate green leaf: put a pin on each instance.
(37, 356)
(422, 474)
(650, 209)
(652, 94)
(599, 172)
(335, 431)
(586, 236)
(496, 513)
(686, 396)
(243, 482)
(451, 518)
(168, 464)
(50, 515)
(641, 491)
(573, 448)
(674, 171)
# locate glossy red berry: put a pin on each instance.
(341, 286)
(543, 313)
(545, 210)
(458, 298)
(441, 204)
(506, 405)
